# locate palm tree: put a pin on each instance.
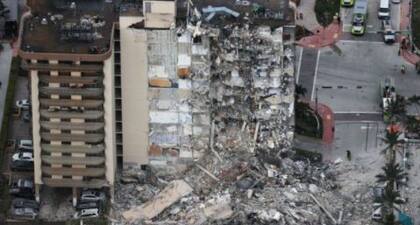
(392, 174)
(392, 140)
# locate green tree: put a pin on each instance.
(392, 174)
(392, 140)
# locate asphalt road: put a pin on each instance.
(373, 25)
(349, 81)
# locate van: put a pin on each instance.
(384, 11)
(25, 145)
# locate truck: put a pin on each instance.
(359, 18)
(388, 95)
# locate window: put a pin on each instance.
(148, 7)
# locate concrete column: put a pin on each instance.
(112, 193)
(37, 189)
(74, 197)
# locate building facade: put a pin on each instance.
(69, 59)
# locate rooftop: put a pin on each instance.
(260, 11)
(69, 26)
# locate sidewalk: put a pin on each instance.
(405, 20)
(322, 36)
(309, 21)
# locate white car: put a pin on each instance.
(87, 213)
(23, 104)
(396, 1)
(92, 195)
(23, 156)
(25, 144)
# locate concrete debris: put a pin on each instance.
(236, 121)
(172, 193)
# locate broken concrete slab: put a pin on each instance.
(168, 196)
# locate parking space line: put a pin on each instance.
(299, 65)
(356, 41)
(315, 74)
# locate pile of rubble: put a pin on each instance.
(242, 190)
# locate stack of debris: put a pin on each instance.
(244, 189)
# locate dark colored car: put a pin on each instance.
(27, 116)
(24, 203)
(87, 205)
(24, 213)
(22, 165)
(22, 188)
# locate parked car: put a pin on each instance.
(22, 188)
(23, 104)
(25, 144)
(22, 165)
(388, 32)
(92, 195)
(24, 203)
(27, 116)
(87, 213)
(24, 213)
(87, 205)
(23, 156)
(377, 214)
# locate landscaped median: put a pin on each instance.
(415, 22)
(325, 11)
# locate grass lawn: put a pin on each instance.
(325, 11)
(4, 193)
(415, 22)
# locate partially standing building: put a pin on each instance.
(67, 49)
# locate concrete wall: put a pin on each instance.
(109, 116)
(160, 14)
(134, 86)
(36, 138)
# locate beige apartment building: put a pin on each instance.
(67, 50)
(89, 88)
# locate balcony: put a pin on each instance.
(85, 92)
(67, 182)
(69, 79)
(68, 160)
(61, 67)
(94, 138)
(72, 126)
(91, 172)
(70, 103)
(71, 115)
(95, 149)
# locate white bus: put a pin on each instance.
(384, 11)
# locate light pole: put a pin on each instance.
(316, 101)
